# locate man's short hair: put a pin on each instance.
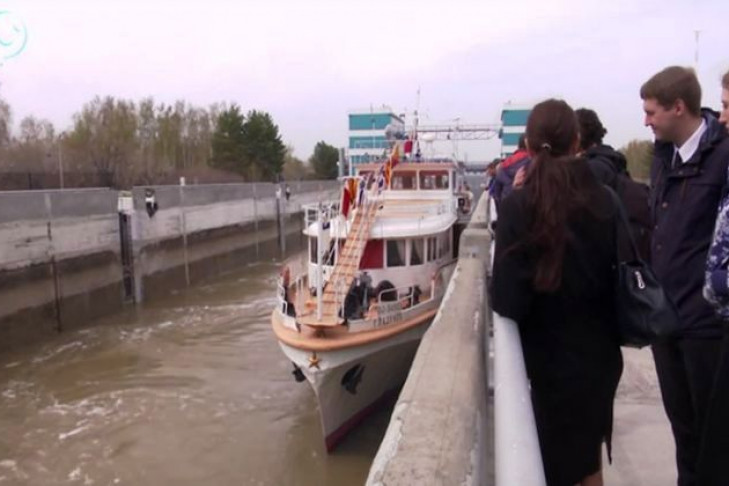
(725, 80)
(591, 129)
(672, 84)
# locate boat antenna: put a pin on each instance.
(415, 124)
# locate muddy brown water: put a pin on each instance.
(191, 389)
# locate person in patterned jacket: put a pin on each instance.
(715, 449)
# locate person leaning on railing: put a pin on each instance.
(553, 274)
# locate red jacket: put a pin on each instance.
(514, 158)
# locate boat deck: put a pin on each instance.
(340, 337)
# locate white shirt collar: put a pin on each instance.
(690, 146)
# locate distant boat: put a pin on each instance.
(351, 313)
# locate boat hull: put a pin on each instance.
(351, 383)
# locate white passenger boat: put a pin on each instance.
(351, 312)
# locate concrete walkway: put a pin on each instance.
(643, 448)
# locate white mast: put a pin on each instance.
(319, 276)
(697, 33)
(417, 139)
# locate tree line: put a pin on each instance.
(119, 143)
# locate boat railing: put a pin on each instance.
(283, 304)
(438, 282)
(398, 298)
(328, 210)
(339, 292)
(294, 275)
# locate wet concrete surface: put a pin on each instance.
(191, 389)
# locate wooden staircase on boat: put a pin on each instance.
(344, 270)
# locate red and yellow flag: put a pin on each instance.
(346, 201)
(391, 162)
(352, 188)
(395, 155)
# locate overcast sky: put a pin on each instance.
(308, 62)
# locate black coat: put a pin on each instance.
(606, 163)
(684, 204)
(569, 337)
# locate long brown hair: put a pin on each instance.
(551, 189)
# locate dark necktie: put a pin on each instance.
(677, 160)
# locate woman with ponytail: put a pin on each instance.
(554, 274)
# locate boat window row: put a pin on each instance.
(393, 253)
(406, 180)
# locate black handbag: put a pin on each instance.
(643, 311)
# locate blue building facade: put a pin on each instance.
(513, 125)
(367, 141)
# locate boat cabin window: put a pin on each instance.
(373, 255)
(312, 249)
(416, 251)
(404, 180)
(431, 248)
(396, 253)
(434, 179)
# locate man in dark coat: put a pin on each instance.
(688, 178)
(604, 161)
(611, 168)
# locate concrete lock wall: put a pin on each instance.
(199, 231)
(69, 256)
(59, 260)
(441, 432)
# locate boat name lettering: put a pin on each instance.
(388, 313)
(388, 307)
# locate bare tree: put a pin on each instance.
(33, 149)
(104, 138)
(294, 169)
(5, 123)
(639, 154)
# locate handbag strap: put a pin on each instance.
(622, 224)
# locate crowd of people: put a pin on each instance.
(554, 273)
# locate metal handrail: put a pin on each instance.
(398, 296)
(518, 457)
(330, 211)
